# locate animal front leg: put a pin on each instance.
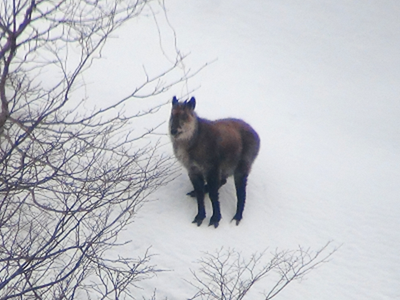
(198, 184)
(213, 186)
(206, 189)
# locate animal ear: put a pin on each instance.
(174, 101)
(191, 103)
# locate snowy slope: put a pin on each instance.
(319, 81)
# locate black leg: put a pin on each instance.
(198, 184)
(240, 184)
(213, 186)
(193, 193)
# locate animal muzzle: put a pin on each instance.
(174, 127)
(174, 131)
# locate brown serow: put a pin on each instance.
(211, 151)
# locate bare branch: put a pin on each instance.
(227, 275)
(71, 177)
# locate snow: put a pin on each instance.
(319, 81)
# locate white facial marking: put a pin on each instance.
(187, 130)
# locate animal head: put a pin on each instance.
(183, 121)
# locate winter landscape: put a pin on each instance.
(320, 83)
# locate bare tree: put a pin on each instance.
(227, 275)
(71, 178)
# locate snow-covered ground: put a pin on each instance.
(320, 82)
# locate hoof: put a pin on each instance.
(214, 221)
(237, 219)
(198, 220)
(215, 224)
(192, 194)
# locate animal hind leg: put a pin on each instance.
(240, 184)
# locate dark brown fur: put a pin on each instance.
(212, 151)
